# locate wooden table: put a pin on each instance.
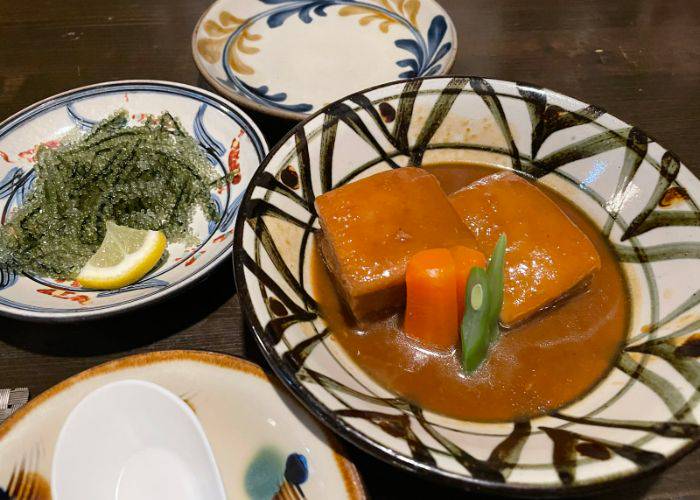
(638, 59)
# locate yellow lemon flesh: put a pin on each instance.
(124, 257)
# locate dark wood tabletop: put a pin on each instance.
(638, 59)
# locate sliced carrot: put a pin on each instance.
(465, 259)
(431, 308)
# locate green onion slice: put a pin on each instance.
(476, 323)
(495, 271)
(483, 303)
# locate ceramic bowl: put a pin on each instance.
(262, 440)
(291, 57)
(228, 137)
(642, 416)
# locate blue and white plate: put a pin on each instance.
(291, 57)
(229, 138)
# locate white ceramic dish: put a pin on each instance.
(229, 138)
(291, 57)
(134, 440)
(257, 432)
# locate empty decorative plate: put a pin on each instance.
(642, 415)
(230, 140)
(291, 57)
(263, 442)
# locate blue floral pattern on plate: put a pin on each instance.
(225, 41)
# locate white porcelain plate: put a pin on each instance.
(262, 440)
(291, 57)
(229, 138)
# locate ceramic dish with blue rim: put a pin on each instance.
(229, 139)
(291, 57)
(641, 202)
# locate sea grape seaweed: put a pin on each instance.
(147, 176)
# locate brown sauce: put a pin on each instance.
(549, 361)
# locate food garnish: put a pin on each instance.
(483, 302)
(431, 308)
(149, 176)
(476, 325)
(435, 283)
(465, 259)
(495, 271)
(124, 257)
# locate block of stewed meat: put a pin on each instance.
(547, 256)
(373, 226)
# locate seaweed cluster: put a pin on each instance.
(147, 176)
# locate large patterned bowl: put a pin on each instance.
(642, 416)
(230, 140)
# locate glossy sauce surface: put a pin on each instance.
(547, 362)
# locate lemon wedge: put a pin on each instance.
(124, 257)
